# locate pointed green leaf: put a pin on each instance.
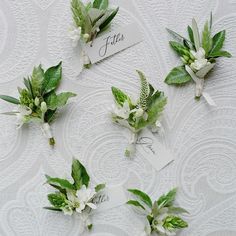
(142, 196)
(179, 37)
(63, 183)
(37, 80)
(62, 98)
(196, 36)
(206, 39)
(52, 208)
(52, 78)
(101, 4)
(179, 48)
(218, 42)
(220, 54)
(119, 96)
(178, 76)
(135, 203)
(176, 210)
(108, 20)
(10, 99)
(190, 34)
(79, 174)
(167, 200)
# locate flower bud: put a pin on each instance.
(183, 60)
(44, 107)
(86, 36)
(36, 101)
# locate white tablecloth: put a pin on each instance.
(202, 138)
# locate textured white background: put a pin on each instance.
(203, 138)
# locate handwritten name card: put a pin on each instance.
(113, 42)
(155, 152)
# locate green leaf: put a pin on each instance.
(177, 76)
(95, 14)
(99, 187)
(220, 54)
(52, 78)
(10, 99)
(63, 183)
(101, 4)
(90, 226)
(51, 100)
(167, 200)
(174, 222)
(37, 80)
(119, 96)
(179, 37)
(142, 196)
(144, 91)
(52, 208)
(218, 42)
(206, 39)
(196, 36)
(176, 210)
(57, 199)
(62, 98)
(49, 116)
(135, 203)
(108, 19)
(190, 34)
(180, 49)
(79, 174)
(28, 85)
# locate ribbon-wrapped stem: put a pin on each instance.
(130, 149)
(46, 129)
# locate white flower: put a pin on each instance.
(75, 34)
(122, 112)
(85, 196)
(138, 112)
(200, 60)
(44, 107)
(21, 114)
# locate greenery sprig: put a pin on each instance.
(76, 197)
(199, 55)
(90, 20)
(138, 114)
(38, 101)
(162, 215)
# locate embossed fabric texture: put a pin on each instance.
(202, 138)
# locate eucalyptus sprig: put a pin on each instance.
(198, 53)
(38, 101)
(162, 215)
(76, 197)
(90, 20)
(138, 114)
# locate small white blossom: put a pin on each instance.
(75, 34)
(21, 114)
(85, 196)
(122, 112)
(200, 60)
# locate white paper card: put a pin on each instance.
(155, 152)
(113, 42)
(110, 198)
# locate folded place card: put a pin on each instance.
(113, 42)
(110, 198)
(155, 152)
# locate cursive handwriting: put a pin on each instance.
(101, 198)
(110, 41)
(146, 142)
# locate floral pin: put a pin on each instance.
(90, 20)
(138, 114)
(162, 215)
(38, 101)
(199, 55)
(76, 197)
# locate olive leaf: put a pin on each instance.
(101, 4)
(63, 183)
(10, 99)
(135, 203)
(167, 200)
(206, 39)
(142, 196)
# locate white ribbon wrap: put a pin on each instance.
(200, 84)
(46, 129)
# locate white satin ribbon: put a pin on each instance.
(46, 129)
(199, 87)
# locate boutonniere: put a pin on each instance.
(199, 55)
(38, 101)
(162, 215)
(90, 20)
(76, 197)
(138, 114)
